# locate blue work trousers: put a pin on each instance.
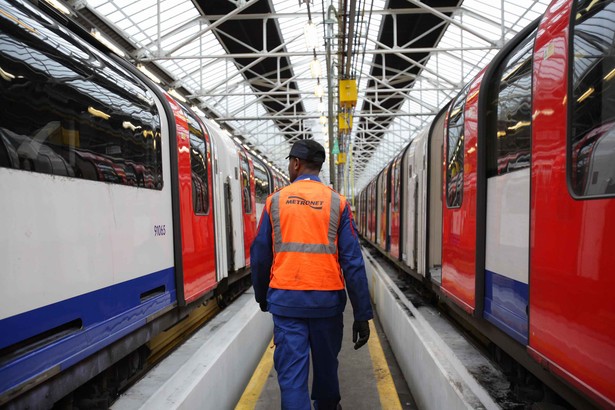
(293, 339)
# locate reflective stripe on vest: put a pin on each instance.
(329, 248)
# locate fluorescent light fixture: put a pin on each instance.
(311, 38)
(315, 68)
(107, 42)
(586, 94)
(148, 73)
(177, 95)
(58, 6)
(198, 111)
(97, 113)
(6, 75)
(610, 75)
(130, 126)
(519, 124)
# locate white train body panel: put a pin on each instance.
(63, 237)
(434, 194)
(508, 225)
(415, 202)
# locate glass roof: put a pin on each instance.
(177, 38)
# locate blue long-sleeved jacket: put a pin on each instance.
(313, 303)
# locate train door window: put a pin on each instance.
(245, 184)
(262, 183)
(199, 160)
(511, 134)
(73, 112)
(591, 151)
(455, 145)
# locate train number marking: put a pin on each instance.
(160, 230)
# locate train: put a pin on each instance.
(504, 204)
(121, 209)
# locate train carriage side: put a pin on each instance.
(87, 248)
(572, 263)
(522, 162)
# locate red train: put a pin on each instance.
(121, 211)
(506, 203)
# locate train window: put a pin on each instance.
(245, 184)
(591, 152)
(199, 160)
(72, 112)
(262, 183)
(454, 157)
(511, 136)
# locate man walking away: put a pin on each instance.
(306, 255)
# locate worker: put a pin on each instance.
(305, 256)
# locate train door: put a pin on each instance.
(410, 206)
(381, 210)
(508, 141)
(395, 206)
(420, 172)
(227, 203)
(371, 211)
(459, 208)
(434, 197)
(196, 213)
(360, 214)
(248, 205)
(572, 263)
(388, 171)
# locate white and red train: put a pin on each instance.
(120, 209)
(506, 203)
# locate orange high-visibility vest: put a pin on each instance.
(305, 216)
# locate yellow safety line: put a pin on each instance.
(389, 399)
(257, 382)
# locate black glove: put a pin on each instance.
(360, 333)
(263, 306)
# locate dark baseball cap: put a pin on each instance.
(308, 150)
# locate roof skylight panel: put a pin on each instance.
(104, 8)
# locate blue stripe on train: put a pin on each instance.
(506, 305)
(107, 315)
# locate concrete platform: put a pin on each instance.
(421, 350)
(442, 369)
(210, 370)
